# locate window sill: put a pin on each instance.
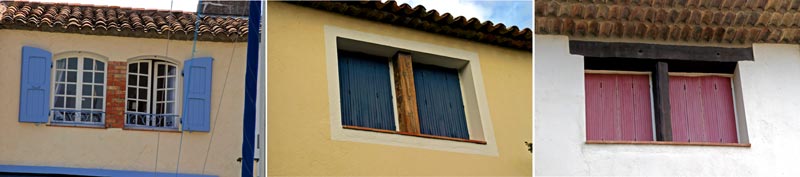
(669, 143)
(101, 126)
(415, 135)
(152, 129)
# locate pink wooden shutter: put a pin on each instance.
(702, 109)
(618, 107)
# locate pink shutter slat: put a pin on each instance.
(618, 107)
(626, 112)
(593, 106)
(609, 106)
(642, 108)
(677, 101)
(726, 111)
(710, 100)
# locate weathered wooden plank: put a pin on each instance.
(406, 93)
(661, 102)
(657, 51)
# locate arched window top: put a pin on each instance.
(80, 54)
(158, 58)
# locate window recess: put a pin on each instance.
(79, 91)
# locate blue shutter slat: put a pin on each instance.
(34, 96)
(365, 91)
(196, 114)
(439, 102)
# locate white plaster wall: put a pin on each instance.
(771, 104)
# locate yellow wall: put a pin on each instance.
(113, 148)
(299, 140)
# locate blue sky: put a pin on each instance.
(517, 12)
(514, 12)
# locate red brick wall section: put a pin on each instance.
(115, 98)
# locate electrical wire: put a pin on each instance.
(219, 106)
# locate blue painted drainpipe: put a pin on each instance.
(250, 89)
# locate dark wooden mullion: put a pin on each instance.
(661, 104)
(406, 93)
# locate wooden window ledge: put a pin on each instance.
(410, 134)
(669, 143)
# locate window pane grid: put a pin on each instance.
(78, 96)
(151, 95)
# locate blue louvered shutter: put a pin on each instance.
(34, 96)
(196, 114)
(365, 90)
(439, 102)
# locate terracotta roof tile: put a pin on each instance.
(430, 20)
(709, 21)
(117, 21)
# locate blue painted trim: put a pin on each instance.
(250, 89)
(88, 171)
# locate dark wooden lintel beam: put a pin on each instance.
(661, 103)
(658, 51)
(408, 116)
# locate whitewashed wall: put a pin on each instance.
(770, 88)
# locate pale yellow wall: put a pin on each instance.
(113, 148)
(298, 112)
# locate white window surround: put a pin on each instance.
(476, 107)
(152, 59)
(79, 85)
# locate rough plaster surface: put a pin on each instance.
(299, 133)
(114, 148)
(769, 95)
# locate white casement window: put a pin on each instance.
(151, 95)
(79, 84)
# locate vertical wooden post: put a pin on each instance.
(406, 93)
(661, 102)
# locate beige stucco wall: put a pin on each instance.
(299, 134)
(113, 148)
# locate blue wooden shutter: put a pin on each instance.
(441, 109)
(365, 90)
(196, 114)
(34, 96)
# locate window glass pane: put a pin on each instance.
(160, 82)
(98, 103)
(59, 102)
(70, 102)
(86, 103)
(144, 68)
(170, 95)
(72, 76)
(86, 90)
(87, 77)
(143, 81)
(98, 90)
(142, 93)
(142, 106)
(131, 92)
(100, 66)
(61, 64)
(97, 117)
(88, 64)
(172, 70)
(60, 89)
(61, 76)
(72, 63)
(170, 108)
(99, 77)
(160, 95)
(171, 82)
(132, 79)
(133, 68)
(71, 89)
(162, 70)
(131, 105)
(159, 108)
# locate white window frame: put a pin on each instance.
(472, 88)
(81, 55)
(152, 75)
